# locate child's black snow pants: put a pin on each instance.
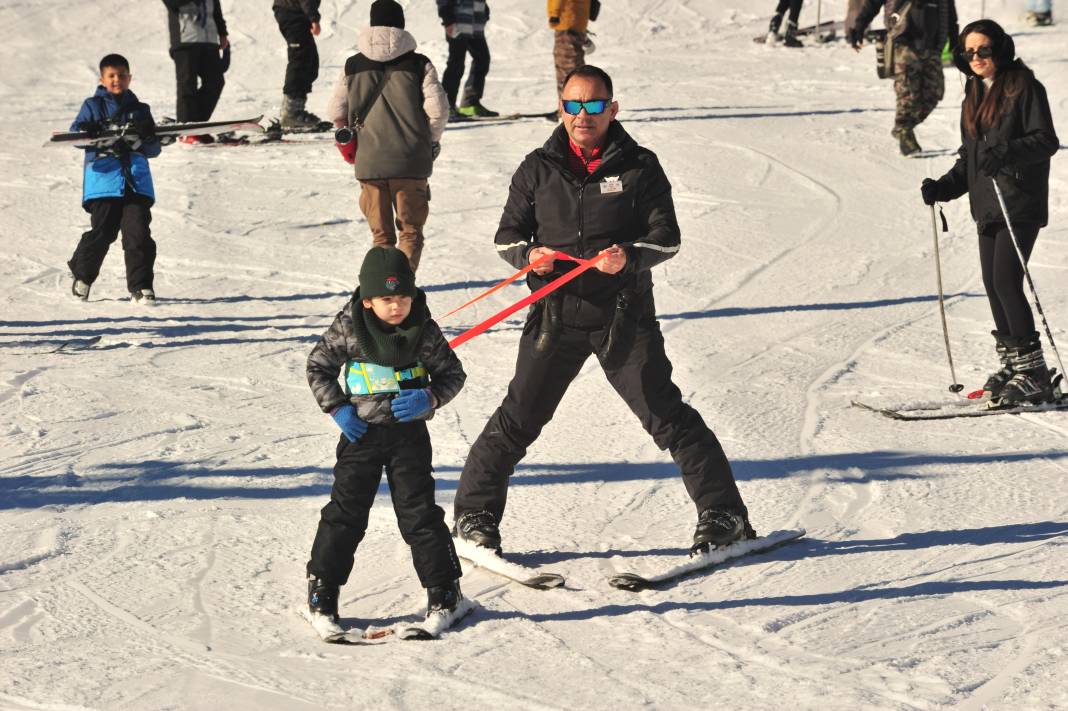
(404, 451)
(131, 215)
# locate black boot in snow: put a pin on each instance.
(790, 40)
(998, 379)
(717, 528)
(480, 528)
(1030, 382)
(322, 598)
(773, 30)
(443, 598)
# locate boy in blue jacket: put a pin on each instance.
(117, 190)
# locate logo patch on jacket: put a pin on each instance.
(392, 283)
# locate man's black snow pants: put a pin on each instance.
(108, 216)
(199, 73)
(404, 451)
(644, 382)
(303, 67)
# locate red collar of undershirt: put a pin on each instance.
(590, 164)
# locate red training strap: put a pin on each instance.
(537, 263)
(583, 265)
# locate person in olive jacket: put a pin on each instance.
(591, 190)
(1007, 136)
(397, 371)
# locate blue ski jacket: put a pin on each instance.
(106, 175)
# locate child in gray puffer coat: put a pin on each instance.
(398, 369)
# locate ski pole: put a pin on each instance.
(955, 387)
(1026, 271)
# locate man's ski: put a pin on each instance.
(704, 561)
(954, 409)
(548, 116)
(81, 139)
(488, 559)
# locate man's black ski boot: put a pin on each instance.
(480, 528)
(443, 598)
(717, 528)
(790, 39)
(1032, 381)
(1000, 378)
(322, 598)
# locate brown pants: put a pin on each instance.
(569, 54)
(410, 198)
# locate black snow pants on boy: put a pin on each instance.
(404, 451)
(108, 216)
(642, 379)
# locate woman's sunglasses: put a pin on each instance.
(984, 52)
(593, 107)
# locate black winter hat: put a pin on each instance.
(387, 13)
(1004, 47)
(386, 272)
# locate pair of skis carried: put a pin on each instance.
(165, 131)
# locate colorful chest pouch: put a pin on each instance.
(372, 378)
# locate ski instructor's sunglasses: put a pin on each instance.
(984, 52)
(593, 107)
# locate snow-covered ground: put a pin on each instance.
(160, 486)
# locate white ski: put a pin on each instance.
(329, 630)
(488, 559)
(703, 561)
(437, 622)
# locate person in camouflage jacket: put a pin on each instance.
(398, 370)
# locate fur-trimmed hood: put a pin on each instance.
(384, 44)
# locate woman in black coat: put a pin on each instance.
(1006, 135)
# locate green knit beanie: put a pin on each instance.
(386, 272)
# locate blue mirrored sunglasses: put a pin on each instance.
(593, 107)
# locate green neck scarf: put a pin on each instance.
(389, 345)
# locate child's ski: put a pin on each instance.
(488, 559)
(704, 561)
(328, 630)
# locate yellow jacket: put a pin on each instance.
(574, 15)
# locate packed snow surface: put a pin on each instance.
(162, 470)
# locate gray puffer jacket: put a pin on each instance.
(339, 346)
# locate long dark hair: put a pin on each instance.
(983, 109)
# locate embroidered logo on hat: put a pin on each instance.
(392, 283)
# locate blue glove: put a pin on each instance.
(411, 405)
(351, 425)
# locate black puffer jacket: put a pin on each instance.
(1027, 130)
(626, 202)
(339, 345)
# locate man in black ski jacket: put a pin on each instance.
(590, 190)
(298, 21)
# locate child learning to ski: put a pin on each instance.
(397, 370)
(117, 188)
